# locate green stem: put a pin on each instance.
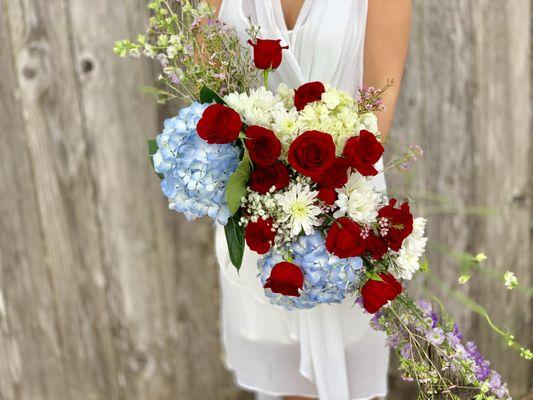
(266, 72)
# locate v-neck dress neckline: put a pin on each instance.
(300, 19)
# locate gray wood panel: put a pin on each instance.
(466, 99)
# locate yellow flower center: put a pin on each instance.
(299, 210)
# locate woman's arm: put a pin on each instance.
(387, 35)
(216, 5)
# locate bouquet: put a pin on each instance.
(291, 174)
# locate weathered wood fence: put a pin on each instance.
(105, 294)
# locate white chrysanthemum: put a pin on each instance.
(253, 115)
(300, 208)
(358, 199)
(255, 108)
(413, 248)
(285, 126)
(236, 100)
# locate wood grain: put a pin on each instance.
(106, 294)
(466, 99)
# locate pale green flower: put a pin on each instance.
(510, 280)
(480, 257)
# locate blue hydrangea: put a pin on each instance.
(327, 278)
(195, 173)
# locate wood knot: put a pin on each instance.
(518, 197)
(87, 65)
(34, 69)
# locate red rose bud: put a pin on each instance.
(344, 239)
(308, 93)
(327, 195)
(219, 124)
(312, 153)
(337, 175)
(263, 145)
(376, 246)
(399, 224)
(267, 53)
(378, 293)
(259, 235)
(363, 152)
(263, 178)
(286, 279)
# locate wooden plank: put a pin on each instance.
(66, 274)
(502, 143)
(23, 278)
(467, 60)
(163, 269)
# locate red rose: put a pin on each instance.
(363, 152)
(263, 145)
(312, 153)
(263, 178)
(375, 246)
(259, 235)
(377, 293)
(337, 175)
(285, 278)
(327, 195)
(308, 93)
(219, 124)
(399, 224)
(267, 53)
(344, 239)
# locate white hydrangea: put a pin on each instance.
(286, 95)
(300, 209)
(336, 113)
(358, 199)
(369, 122)
(412, 249)
(285, 127)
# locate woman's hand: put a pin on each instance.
(387, 36)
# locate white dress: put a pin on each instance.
(330, 351)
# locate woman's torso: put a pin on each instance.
(326, 43)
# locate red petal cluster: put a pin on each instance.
(286, 278)
(259, 235)
(400, 221)
(362, 152)
(267, 53)
(219, 124)
(377, 293)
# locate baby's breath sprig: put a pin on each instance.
(370, 99)
(194, 49)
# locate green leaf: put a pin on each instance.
(208, 96)
(152, 149)
(236, 188)
(235, 240)
(373, 276)
(161, 95)
(424, 265)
